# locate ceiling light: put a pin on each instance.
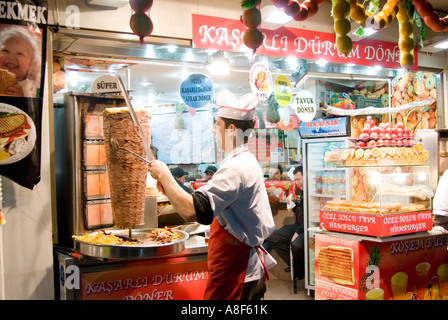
(217, 64)
(292, 62)
(279, 17)
(435, 44)
(442, 45)
(145, 83)
(401, 72)
(149, 52)
(369, 31)
(108, 3)
(322, 62)
(171, 48)
(364, 32)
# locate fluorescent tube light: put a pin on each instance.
(442, 45)
(435, 44)
(322, 62)
(278, 17)
(108, 3)
(369, 31)
(171, 48)
(217, 64)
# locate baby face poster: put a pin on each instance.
(22, 70)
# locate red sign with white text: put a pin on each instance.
(171, 279)
(227, 35)
(376, 225)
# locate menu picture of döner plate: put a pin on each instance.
(17, 134)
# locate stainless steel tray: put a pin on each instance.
(138, 251)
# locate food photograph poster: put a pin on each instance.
(22, 71)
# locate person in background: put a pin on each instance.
(292, 234)
(276, 173)
(179, 174)
(234, 203)
(440, 202)
(209, 172)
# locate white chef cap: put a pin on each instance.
(231, 107)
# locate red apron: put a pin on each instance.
(227, 263)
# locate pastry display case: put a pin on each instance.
(376, 191)
(390, 188)
(384, 200)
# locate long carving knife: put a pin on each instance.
(134, 118)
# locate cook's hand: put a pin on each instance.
(16, 90)
(158, 170)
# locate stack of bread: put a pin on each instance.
(371, 207)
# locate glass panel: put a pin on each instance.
(325, 181)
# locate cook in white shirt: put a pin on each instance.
(234, 202)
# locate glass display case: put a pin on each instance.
(385, 201)
(382, 195)
(322, 181)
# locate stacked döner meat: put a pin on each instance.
(127, 173)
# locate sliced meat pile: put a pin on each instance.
(127, 173)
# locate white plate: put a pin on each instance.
(30, 139)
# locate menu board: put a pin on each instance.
(193, 144)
